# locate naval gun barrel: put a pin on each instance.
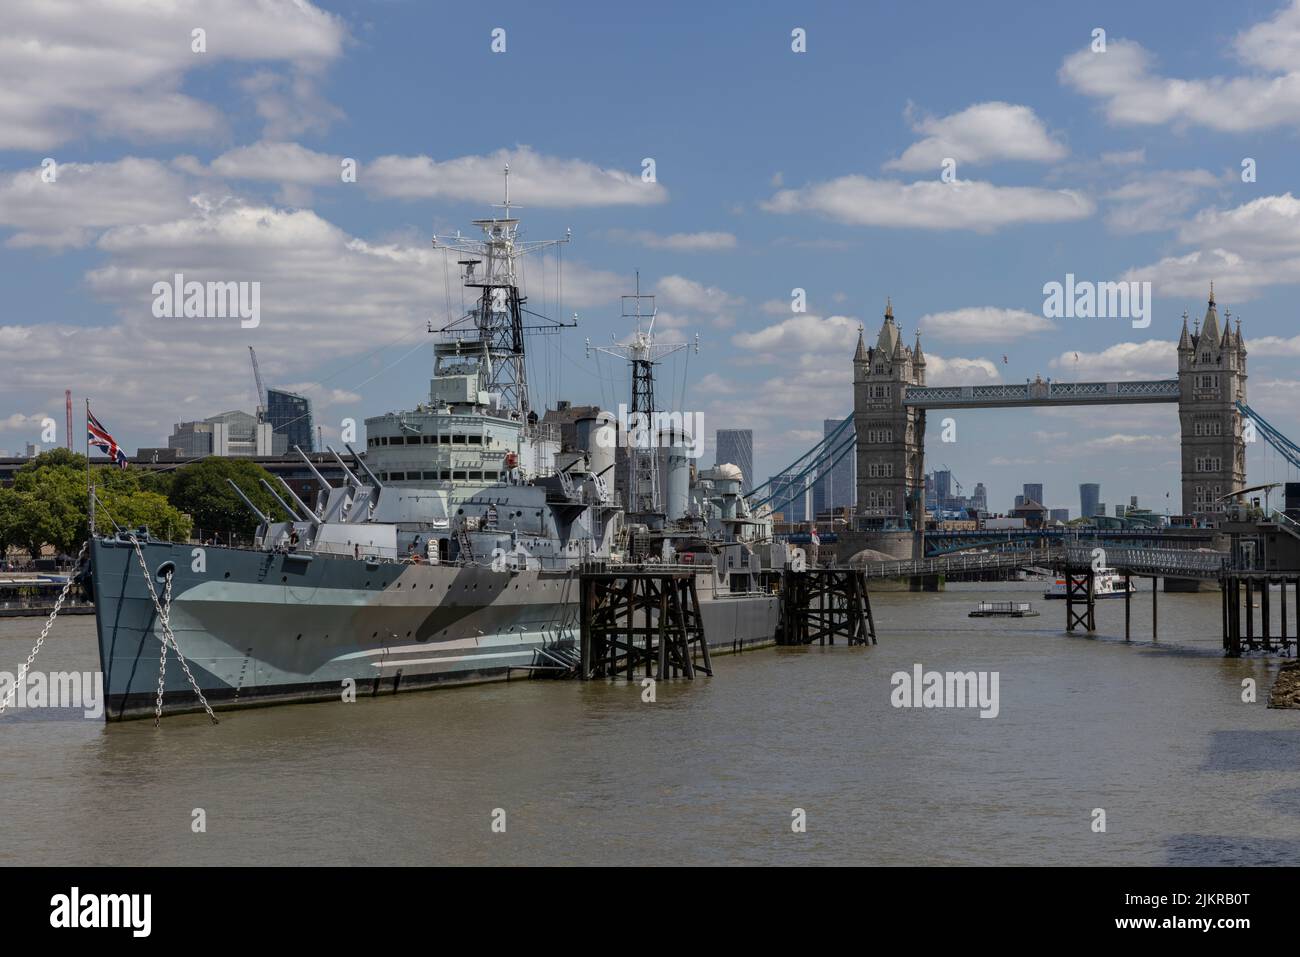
(247, 501)
(343, 465)
(319, 478)
(361, 462)
(311, 515)
(283, 504)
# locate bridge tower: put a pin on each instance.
(1212, 379)
(891, 436)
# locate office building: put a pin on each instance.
(789, 497)
(289, 415)
(228, 435)
(1089, 496)
(736, 447)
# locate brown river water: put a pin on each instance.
(1155, 734)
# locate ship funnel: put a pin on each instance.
(598, 437)
(679, 475)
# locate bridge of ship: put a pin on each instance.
(1040, 393)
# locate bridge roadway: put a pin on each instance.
(1156, 562)
(1040, 393)
(941, 542)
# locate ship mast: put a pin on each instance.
(643, 354)
(498, 321)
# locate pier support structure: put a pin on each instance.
(641, 619)
(1243, 588)
(820, 604)
(1080, 590)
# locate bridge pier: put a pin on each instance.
(670, 640)
(1080, 589)
(1240, 588)
(1155, 608)
(926, 583)
(817, 604)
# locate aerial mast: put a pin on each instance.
(643, 354)
(499, 320)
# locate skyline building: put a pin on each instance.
(1089, 497)
(289, 415)
(736, 447)
(231, 434)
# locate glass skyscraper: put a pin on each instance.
(290, 416)
(736, 447)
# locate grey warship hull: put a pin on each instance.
(261, 628)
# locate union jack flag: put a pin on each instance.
(100, 439)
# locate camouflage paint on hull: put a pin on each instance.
(262, 628)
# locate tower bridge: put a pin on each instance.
(891, 398)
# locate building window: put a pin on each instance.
(444, 440)
(458, 476)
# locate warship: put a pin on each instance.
(449, 554)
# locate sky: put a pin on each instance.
(128, 155)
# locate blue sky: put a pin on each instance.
(775, 170)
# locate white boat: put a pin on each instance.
(1106, 584)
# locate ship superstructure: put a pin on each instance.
(450, 552)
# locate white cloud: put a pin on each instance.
(1245, 250)
(1133, 93)
(980, 134)
(86, 198)
(115, 67)
(319, 287)
(931, 204)
(677, 242)
(1154, 201)
(983, 324)
(804, 333)
(1264, 226)
(690, 294)
(279, 163)
(1236, 278)
(535, 180)
(1152, 359)
(1125, 157)
(956, 370)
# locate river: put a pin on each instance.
(1155, 734)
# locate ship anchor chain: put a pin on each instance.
(168, 638)
(36, 648)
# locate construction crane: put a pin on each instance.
(259, 387)
(955, 482)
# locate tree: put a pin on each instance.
(49, 504)
(201, 490)
(135, 509)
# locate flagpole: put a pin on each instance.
(90, 488)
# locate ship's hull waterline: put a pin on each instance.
(263, 628)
